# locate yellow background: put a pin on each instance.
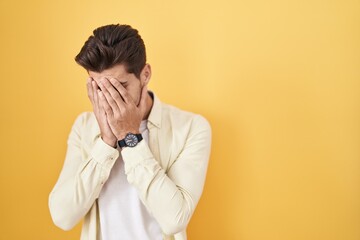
(279, 82)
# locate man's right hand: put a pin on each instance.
(106, 134)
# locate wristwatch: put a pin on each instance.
(130, 140)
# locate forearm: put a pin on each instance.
(170, 201)
(80, 185)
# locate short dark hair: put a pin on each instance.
(111, 45)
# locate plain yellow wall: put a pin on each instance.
(279, 82)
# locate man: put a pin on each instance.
(135, 167)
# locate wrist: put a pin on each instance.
(122, 135)
(130, 140)
(110, 142)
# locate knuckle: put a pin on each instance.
(131, 107)
(117, 115)
(123, 111)
(105, 83)
(111, 100)
(107, 108)
(116, 83)
(117, 98)
(126, 95)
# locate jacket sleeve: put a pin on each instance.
(81, 178)
(171, 197)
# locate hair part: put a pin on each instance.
(111, 45)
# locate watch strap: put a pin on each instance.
(122, 142)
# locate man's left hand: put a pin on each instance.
(122, 113)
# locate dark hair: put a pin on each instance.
(113, 44)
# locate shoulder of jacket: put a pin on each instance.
(182, 116)
(85, 119)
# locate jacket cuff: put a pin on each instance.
(139, 155)
(103, 153)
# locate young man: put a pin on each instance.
(135, 167)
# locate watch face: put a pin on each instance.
(131, 140)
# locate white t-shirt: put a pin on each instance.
(122, 214)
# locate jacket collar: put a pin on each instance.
(156, 111)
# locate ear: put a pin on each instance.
(145, 75)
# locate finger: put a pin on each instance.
(113, 92)
(110, 100)
(120, 88)
(104, 103)
(90, 90)
(100, 107)
(95, 93)
(142, 103)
